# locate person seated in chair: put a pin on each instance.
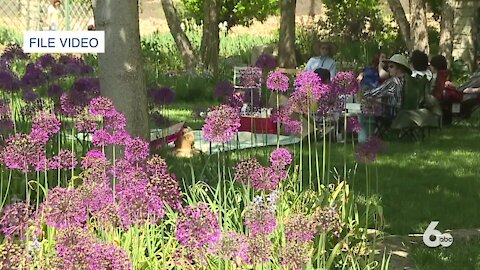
(390, 91)
(419, 61)
(324, 59)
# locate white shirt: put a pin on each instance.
(325, 62)
(426, 73)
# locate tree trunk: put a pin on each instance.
(446, 30)
(418, 29)
(181, 39)
(311, 9)
(121, 71)
(286, 42)
(210, 45)
(401, 19)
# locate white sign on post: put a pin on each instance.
(64, 41)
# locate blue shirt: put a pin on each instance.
(325, 62)
(371, 78)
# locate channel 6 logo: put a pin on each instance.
(440, 239)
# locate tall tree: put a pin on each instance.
(210, 45)
(401, 19)
(418, 26)
(446, 30)
(121, 66)
(181, 39)
(286, 42)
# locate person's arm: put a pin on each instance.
(386, 89)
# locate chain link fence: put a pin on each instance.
(22, 15)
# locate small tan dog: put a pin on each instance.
(184, 145)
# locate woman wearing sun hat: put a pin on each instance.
(391, 90)
(324, 59)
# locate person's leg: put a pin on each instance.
(367, 124)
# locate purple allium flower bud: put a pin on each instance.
(244, 170)
(266, 61)
(222, 124)
(46, 60)
(197, 227)
(55, 91)
(14, 219)
(368, 151)
(64, 208)
(163, 96)
(136, 150)
(280, 158)
(224, 89)
(260, 219)
(102, 106)
(47, 122)
(278, 81)
(346, 83)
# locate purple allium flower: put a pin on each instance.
(47, 122)
(116, 122)
(166, 187)
(33, 76)
(9, 81)
(14, 255)
(281, 158)
(14, 51)
(55, 91)
(137, 205)
(327, 219)
(57, 71)
(368, 151)
(14, 219)
(222, 124)
(84, 90)
(294, 255)
(244, 170)
(156, 166)
(120, 137)
(84, 122)
(251, 77)
(163, 96)
(235, 100)
(224, 89)
(278, 81)
(29, 95)
(20, 152)
(310, 84)
(64, 208)
(67, 106)
(260, 218)
(74, 246)
(101, 137)
(5, 112)
(346, 83)
(108, 216)
(353, 125)
(102, 106)
(136, 150)
(267, 178)
(266, 61)
(108, 256)
(301, 102)
(93, 158)
(6, 125)
(260, 249)
(197, 226)
(46, 60)
(299, 228)
(331, 101)
(96, 195)
(65, 160)
(293, 127)
(232, 246)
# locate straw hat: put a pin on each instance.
(399, 60)
(332, 49)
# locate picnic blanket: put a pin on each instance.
(243, 140)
